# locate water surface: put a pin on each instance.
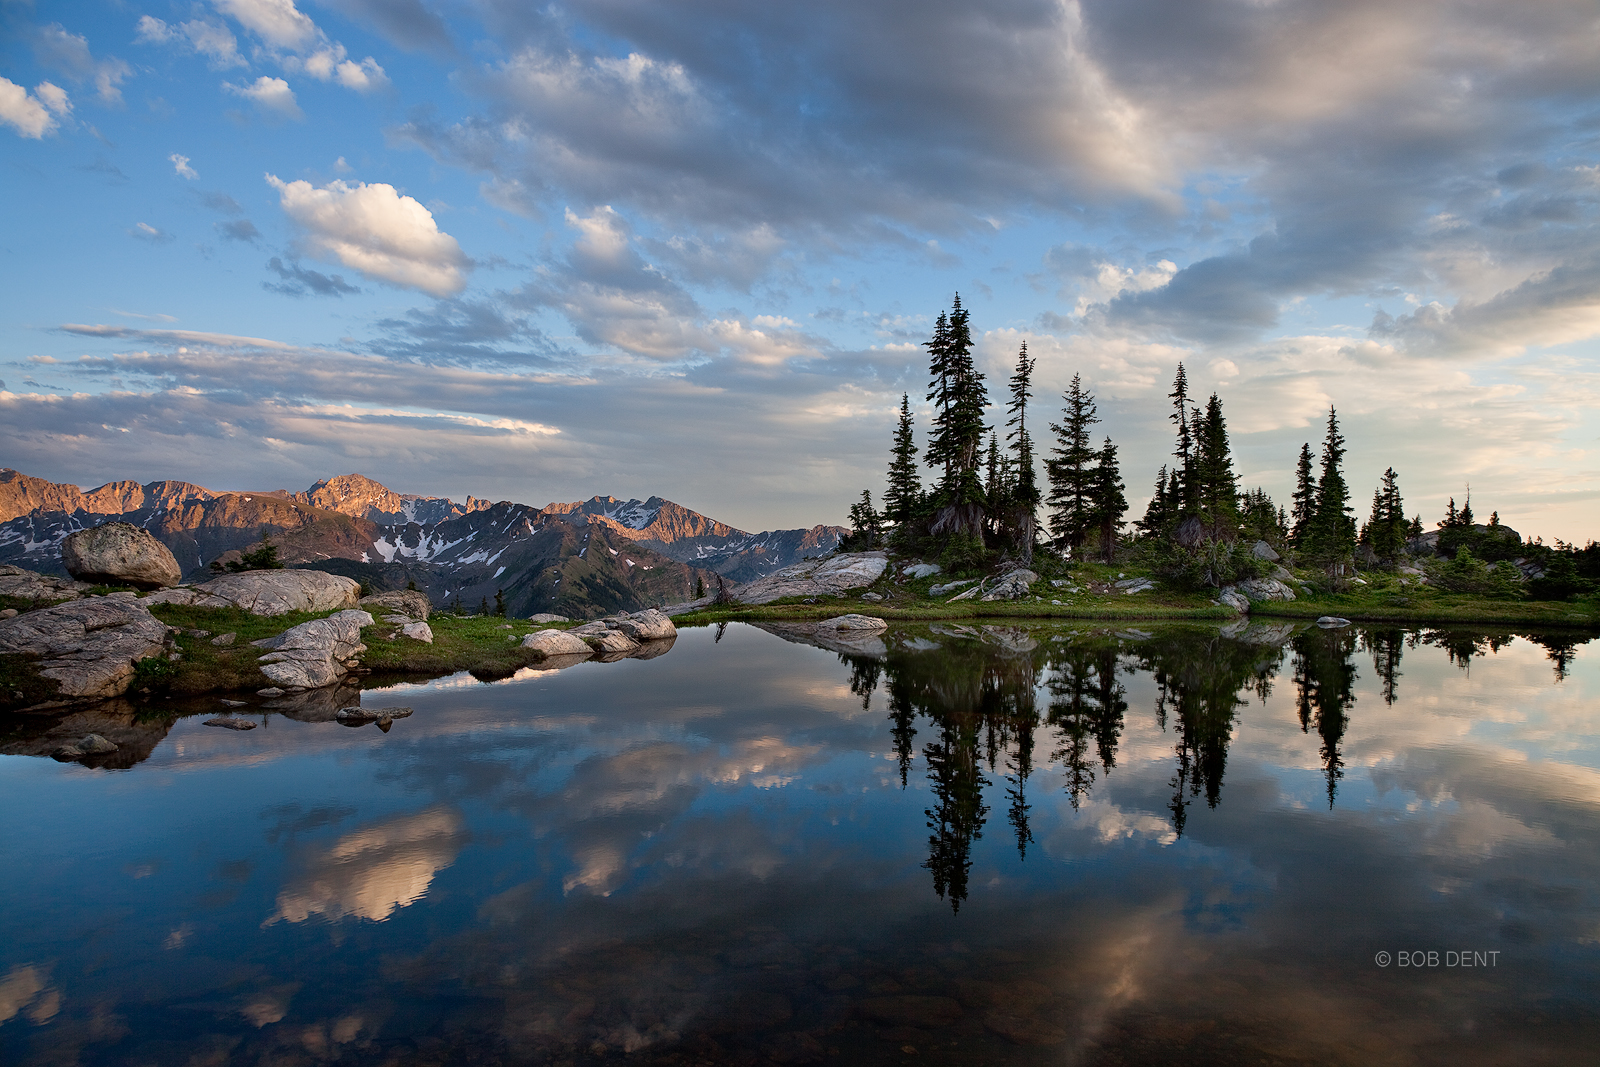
(965, 845)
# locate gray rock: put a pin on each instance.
(31, 585)
(313, 654)
(835, 575)
(88, 647)
(922, 570)
(1262, 550)
(269, 691)
(1332, 622)
(231, 722)
(358, 716)
(871, 596)
(611, 641)
(418, 631)
(95, 745)
(556, 643)
(233, 703)
(119, 553)
(407, 602)
(1234, 599)
(947, 587)
(1134, 585)
(647, 625)
(968, 595)
(1265, 589)
(853, 622)
(591, 629)
(1012, 585)
(268, 592)
(546, 617)
(8, 613)
(225, 640)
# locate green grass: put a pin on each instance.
(481, 644)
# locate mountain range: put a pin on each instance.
(579, 559)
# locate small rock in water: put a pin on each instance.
(269, 691)
(231, 722)
(225, 640)
(358, 716)
(1332, 622)
(95, 745)
(233, 703)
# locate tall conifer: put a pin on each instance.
(1216, 486)
(1333, 527)
(1108, 502)
(1025, 497)
(1304, 500)
(1070, 467)
(902, 501)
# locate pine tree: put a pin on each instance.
(865, 523)
(1333, 528)
(1304, 499)
(1108, 503)
(940, 393)
(1216, 488)
(957, 441)
(1466, 518)
(1385, 531)
(1451, 517)
(1155, 513)
(1069, 468)
(1025, 497)
(902, 501)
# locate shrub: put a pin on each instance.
(1466, 573)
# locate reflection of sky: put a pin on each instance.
(505, 830)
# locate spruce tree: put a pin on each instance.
(1386, 528)
(959, 393)
(902, 501)
(1466, 518)
(940, 393)
(1025, 497)
(1304, 499)
(1070, 467)
(1182, 471)
(1108, 502)
(1216, 487)
(1155, 513)
(1333, 528)
(865, 523)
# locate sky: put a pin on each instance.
(693, 248)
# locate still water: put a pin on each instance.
(984, 845)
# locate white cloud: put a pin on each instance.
(210, 39)
(329, 63)
(53, 97)
(180, 167)
(278, 22)
(146, 232)
(377, 231)
(26, 114)
(272, 95)
(69, 53)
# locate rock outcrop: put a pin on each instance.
(556, 643)
(853, 622)
(119, 553)
(313, 654)
(834, 576)
(88, 647)
(268, 592)
(1012, 586)
(418, 631)
(611, 641)
(1263, 589)
(647, 625)
(31, 585)
(407, 602)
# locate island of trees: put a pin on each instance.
(982, 503)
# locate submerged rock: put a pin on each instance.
(231, 722)
(119, 553)
(1332, 622)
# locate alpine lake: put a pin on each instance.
(1260, 844)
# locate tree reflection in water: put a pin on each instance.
(979, 691)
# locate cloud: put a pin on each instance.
(145, 232)
(69, 53)
(180, 167)
(32, 116)
(299, 282)
(405, 23)
(329, 63)
(271, 95)
(377, 231)
(210, 39)
(238, 230)
(277, 22)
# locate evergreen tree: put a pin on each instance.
(1155, 513)
(1466, 518)
(1025, 496)
(1108, 504)
(957, 441)
(1215, 488)
(865, 523)
(1069, 467)
(1415, 529)
(1260, 518)
(1182, 471)
(902, 501)
(1333, 528)
(1385, 532)
(940, 393)
(1304, 499)
(1451, 517)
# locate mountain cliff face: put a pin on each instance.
(361, 497)
(21, 495)
(580, 559)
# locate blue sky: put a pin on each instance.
(692, 248)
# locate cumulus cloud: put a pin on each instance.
(377, 231)
(277, 22)
(180, 167)
(405, 23)
(32, 115)
(330, 63)
(272, 95)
